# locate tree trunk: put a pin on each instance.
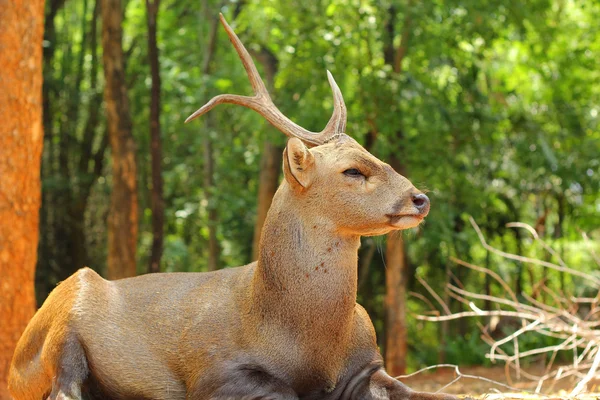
(488, 278)
(365, 258)
(21, 140)
(270, 159)
(395, 305)
(444, 328)
(48, 249)
(396, 262)
(519, 265)
(214, 250)
(558, 233)
(270, 164)
(123, 215)
(156, 198)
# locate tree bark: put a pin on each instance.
(123, 215)
(49, 248)
(73, 201)
(395, 305)
(156, 198)
(214, 250)
(270, 164)
(558, 232)
(270, 159)
(21, 140)
(396, 262)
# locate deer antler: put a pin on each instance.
(262, 103)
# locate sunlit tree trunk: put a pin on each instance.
(395, 305)
(21, 139)
(156, 197)
(396, 262)
(123, 216)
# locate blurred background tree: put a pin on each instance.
(490, 105)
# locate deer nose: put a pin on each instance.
(421, 202)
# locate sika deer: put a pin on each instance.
(284, 327)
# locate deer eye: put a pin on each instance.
(352, 172)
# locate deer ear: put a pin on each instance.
(298, 163)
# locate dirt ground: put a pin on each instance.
(437, 379)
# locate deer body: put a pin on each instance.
(284, 327)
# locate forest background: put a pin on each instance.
(493, 106)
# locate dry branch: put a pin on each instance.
(574, 321)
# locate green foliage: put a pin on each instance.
(467, 350)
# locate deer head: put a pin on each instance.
(338, 179)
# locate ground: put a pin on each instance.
(437, 379)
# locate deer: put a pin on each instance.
(284, 327)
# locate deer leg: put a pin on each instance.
(247, 382)
(72, 372)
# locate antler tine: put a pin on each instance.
(262, 103)
(255, 80)
(337, 122)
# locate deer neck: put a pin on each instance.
(307, 272)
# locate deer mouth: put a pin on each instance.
(405, 221)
